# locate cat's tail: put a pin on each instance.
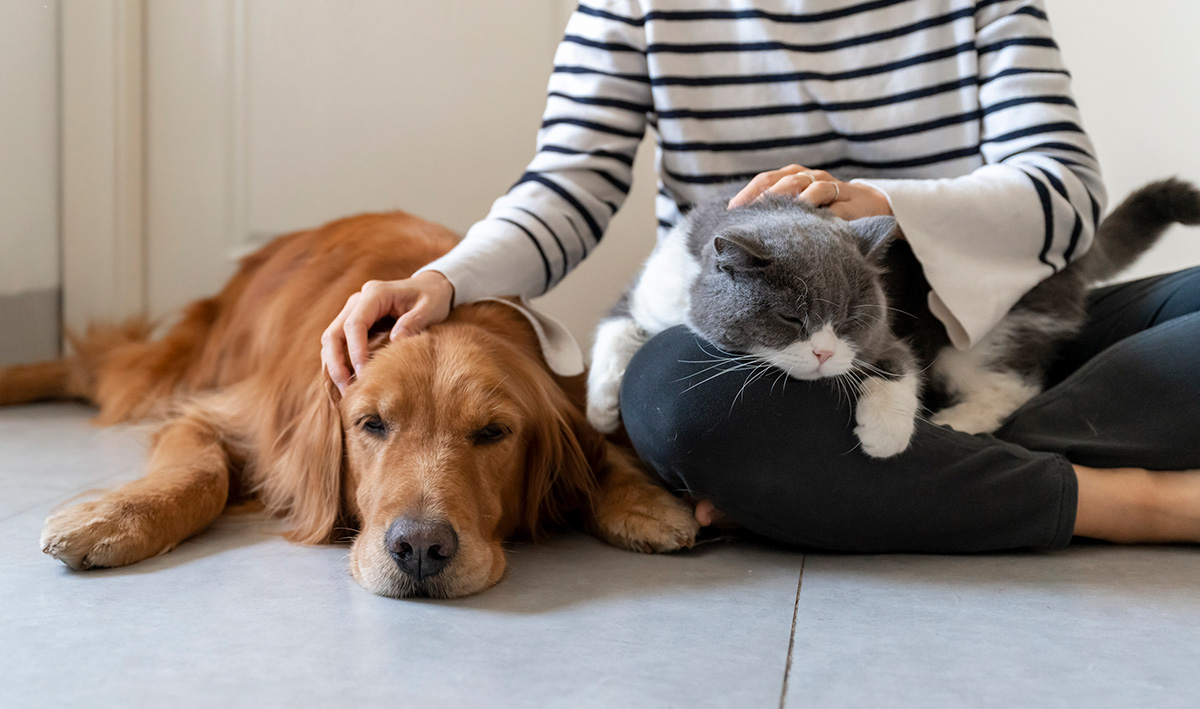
(1136, 224)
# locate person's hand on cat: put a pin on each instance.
(848, 200)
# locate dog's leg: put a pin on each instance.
(632, 512)
(186, 489)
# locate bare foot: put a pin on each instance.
(1131, 505)
(708, 515)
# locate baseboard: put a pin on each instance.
(30, 325)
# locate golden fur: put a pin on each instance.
(246, 410)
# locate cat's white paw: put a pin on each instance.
(972, 417)
(616, 342)
(886, 415)
(605, 416)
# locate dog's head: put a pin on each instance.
(450, 443)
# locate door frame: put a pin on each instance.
(102, 120)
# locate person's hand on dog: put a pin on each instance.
(848, 200)
(416, 303)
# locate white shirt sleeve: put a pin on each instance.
(987, 238)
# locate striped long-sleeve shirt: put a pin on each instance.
(960, 111)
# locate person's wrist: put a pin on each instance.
(878, 199)
(439, 283)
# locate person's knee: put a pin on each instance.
(653, 408)
(713, 426)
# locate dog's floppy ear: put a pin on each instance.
(302, 476)
(563, 457)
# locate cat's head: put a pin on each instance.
(794, 285)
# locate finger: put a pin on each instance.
(336, 366)
(761, 183)
(793, 184)
(820, 194)
(414, 321)
(333, 347)
(366, 312)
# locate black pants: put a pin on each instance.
(779, 455)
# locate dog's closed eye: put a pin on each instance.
(374, 425)
(491, 433)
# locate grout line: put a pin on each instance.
(787, 668)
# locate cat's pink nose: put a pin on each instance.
(822, 356)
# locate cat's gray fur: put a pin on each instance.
(787, 284)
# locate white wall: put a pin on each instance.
(29, 227)
(1136, 75)
(28, 146)
(273, 115)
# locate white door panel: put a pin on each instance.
(267, 116)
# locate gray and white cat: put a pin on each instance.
(817, 296)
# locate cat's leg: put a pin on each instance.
(617, 339)
(986, 389)
(888, 403)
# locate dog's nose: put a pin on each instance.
(421, 547)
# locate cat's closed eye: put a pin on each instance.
(792, 319)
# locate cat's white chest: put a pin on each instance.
(662, 296)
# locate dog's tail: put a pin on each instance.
(1136, 224)
(73, 377)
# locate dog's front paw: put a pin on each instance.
(886, 416)
(104, 533)
(646, 519)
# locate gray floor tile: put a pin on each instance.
(238, 617)
(49, 451)
(1094, 626)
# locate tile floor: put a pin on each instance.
(238, 617)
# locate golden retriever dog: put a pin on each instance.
(449, 443)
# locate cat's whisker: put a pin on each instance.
(723, 371)
(719, 359)
(885, 307)
(868, 367)
(750, 378)
(782, 375)
(716, 363)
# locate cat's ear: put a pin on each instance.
(874, 235)
(737, 253)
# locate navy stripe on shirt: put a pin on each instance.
(1048, 213)
(919, 161)
(592, 125)
(619, 157)
(874, 37)
(814, 75)
(538, 246)
(561, 249)
(752, 112)
(889, 134)
(570, 199)
(598, 101)
(691, 15)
